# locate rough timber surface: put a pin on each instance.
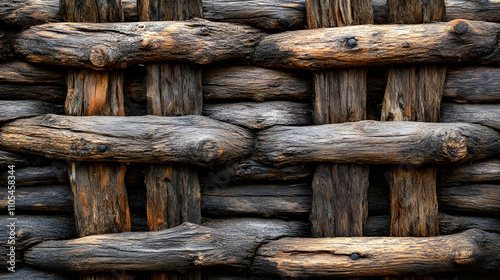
(117, 45)
(264, 14)
(473, 84)
(12, 110)
(260, 115)
(374, 142)
(378, 45)
(484, 114)
(190, 246)
(188, 139)
(477, 172)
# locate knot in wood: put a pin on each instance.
(207, 151)
(101, 56)
(461, 27)
(204, 31)
(455, 146)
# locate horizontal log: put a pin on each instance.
(53, 93)
(484, 114)
(281, 201)
(4, 258)
(190, 246)
(57, 199)
(23, 72)
(473, 84)
(189, 139)
(448, 224)
(477, 172)
(256, 83)
(474, 250)
(42, 175)
(29, 81)
(252, 170)
(30, 273)
(13, 110)
(373, 142)
(117, 45)
(8, 158)
(262, 200)
(6, 51)
(482, 198)
(260, 115)
(264, 14)
(378, 45)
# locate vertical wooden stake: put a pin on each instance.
(99, 193)
(339, 206)
(414, 94)
(173, 89)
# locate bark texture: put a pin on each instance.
(379, 45)
(188, 139)
(374, 142)
(118, 45)
(189, 246)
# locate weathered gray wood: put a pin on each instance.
(23, 72)
(261, 115)
(257, 200)
(202, 246)
(255, 83)
(448, 224)
(252, 170)
(43, 175)
(300, 257)
(339, 191)
(34, 274)
(6, 51)
(484, 114)
(470, 198)
(264, 14)
(117, 45)
(378, 45)
(12, 110)
(8, 158)
(473, 84)
(57, 199)
(377, 142)
(189, 139)
(477, 172)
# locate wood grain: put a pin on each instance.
(117, 45)
(13, 110)
(477, 172)
(260, 115)
(473, 84)
(377, 142)
(300, 257)
(154, 139)
(484, 114)
(201, 246)
(263, 14)
(378, 45)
